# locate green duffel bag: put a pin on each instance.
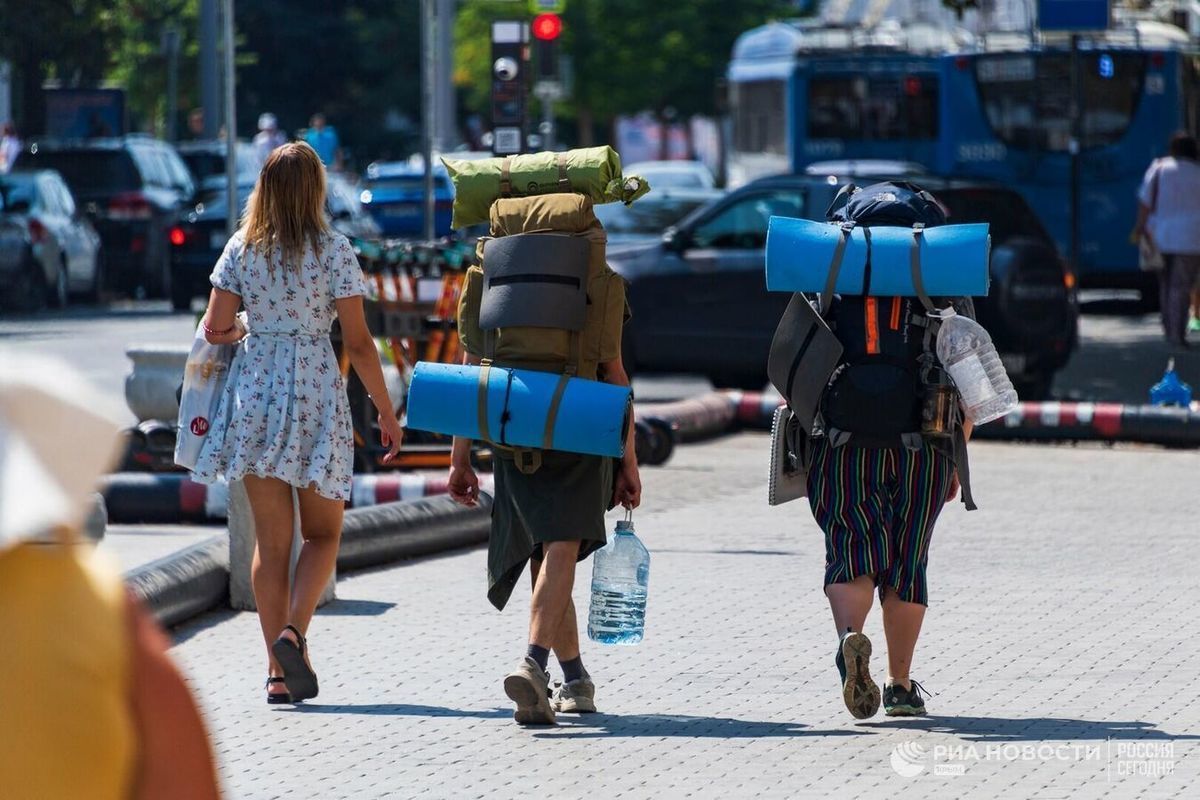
(594, 172)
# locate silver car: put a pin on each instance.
(49, 251)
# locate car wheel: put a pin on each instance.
(1035, 387)
(62, 295)
(28, 291)
(95, 293)
(181, 298)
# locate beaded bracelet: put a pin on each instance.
(211, 332)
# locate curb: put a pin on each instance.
(1053, 421)
(194, 580)
(397, 531)
(694, 419)
(184, 584)
(172, 498)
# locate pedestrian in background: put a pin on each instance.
(90, 702)
(324, 139)
(283, 423)
(268, 137)
(1169, 217)
(10, 147)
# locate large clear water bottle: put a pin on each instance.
(966, 351)
(620, 576)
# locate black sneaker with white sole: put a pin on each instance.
(901, 702)
(859, 692)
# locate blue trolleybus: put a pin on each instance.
(992, 105)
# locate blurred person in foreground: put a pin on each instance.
(90, 704)
(1169, 216)
(283, 421)
(324, 139)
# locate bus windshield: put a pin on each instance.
(877, 108)
(1027, 97)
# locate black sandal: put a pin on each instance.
(277, 698)
(301, 679)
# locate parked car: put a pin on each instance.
(645, 220)
(48, 249)
(673, 174)
(205, 159)
(699, 300)
(133, 189)
(394, 194)
(346, 211)
(198, 239)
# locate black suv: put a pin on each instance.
(132, 188)
(700, 303)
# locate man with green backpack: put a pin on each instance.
(549, 505)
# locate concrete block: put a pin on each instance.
(241, 550)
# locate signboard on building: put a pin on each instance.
(85, 113)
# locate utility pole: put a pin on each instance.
(210, 72)
(428, 108)
(447, 126)
(170, 46)
(1076, 149)
(231, 193)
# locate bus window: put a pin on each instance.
(760, 124)
(1027, 99)
(859, 108)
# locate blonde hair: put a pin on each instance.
(287, 207)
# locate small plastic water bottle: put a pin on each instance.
(966, 351)
(620, 576)
(1171, 391)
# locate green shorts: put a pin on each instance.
(565, 500)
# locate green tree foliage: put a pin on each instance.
(627, 55)
(63, 40)
(355, 60)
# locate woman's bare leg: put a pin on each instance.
(321, 529)
(271, 506)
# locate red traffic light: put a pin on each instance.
(547, 27)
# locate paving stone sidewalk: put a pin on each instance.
(1061, 643)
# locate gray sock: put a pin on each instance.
(573, 670)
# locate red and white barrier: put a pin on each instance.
(174, 498)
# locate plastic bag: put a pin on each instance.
(204, 379)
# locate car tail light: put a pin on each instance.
(130, 206)
(178, 236)
(1069, 279)
(37, 231)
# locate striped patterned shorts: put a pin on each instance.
(878, 508)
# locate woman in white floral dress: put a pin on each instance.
(283, 423)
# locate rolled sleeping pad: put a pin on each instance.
(593, 417)
(954, 259)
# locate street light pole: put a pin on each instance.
(231, 198)
(210, 71)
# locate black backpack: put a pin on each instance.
(875, 395)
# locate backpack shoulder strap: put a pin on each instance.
(918, 281)
(835, 268)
